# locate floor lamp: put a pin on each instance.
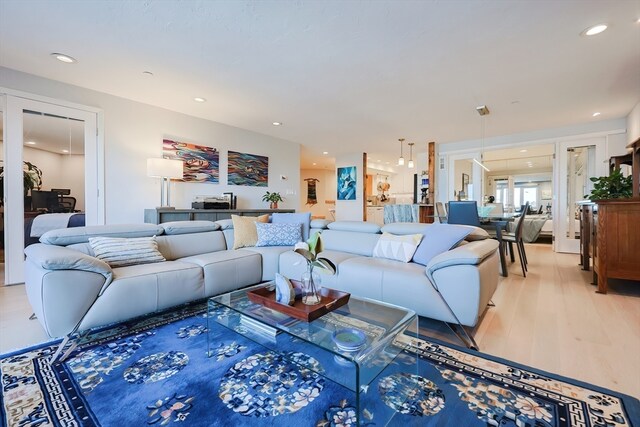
(166, 169)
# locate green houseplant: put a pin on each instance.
(311, 294)
(614, 186)
(31, 179)
(273, 199)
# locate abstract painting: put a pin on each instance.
(347, 180)
(201, 164)
(248, 169)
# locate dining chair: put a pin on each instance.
(464, 213)
(516, 237)
(441, 213)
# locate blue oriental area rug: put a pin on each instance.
(157, 372)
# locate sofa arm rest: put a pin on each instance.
(472, 253)
(51, 257)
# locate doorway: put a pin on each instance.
(50, 154)
(575, 163)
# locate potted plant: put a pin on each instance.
(273, 199)
(31, 178)
(310, 292)
(614, 186)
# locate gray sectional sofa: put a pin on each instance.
(72, 291)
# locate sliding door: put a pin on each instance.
(46, 147)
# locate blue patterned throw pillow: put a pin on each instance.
(283, 234)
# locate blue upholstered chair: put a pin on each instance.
(465, 213)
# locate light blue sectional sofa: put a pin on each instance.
(72, 291)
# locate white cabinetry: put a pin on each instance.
(375, 214)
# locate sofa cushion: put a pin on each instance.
(358, 226)
(188, 227)
(348, 241)
(284, 234)
(270, 259)
(439, 238)
(226, 271)
(182, 245)
(69, 236)
(399, 248)
(303, 218)
(244, 230)
(402, 228)
(120, 252)
(320, 223)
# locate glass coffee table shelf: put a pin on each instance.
(376, 323)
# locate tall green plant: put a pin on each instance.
(614, 186)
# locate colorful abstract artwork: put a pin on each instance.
(201, 163)
(248, 169)
(347, 180)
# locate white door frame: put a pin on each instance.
(560, 209)
(14, 103)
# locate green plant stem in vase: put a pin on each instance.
(310, 279)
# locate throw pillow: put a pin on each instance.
(120, 251)
(439, 238)
(303, 218)
(399, 248)
(244, 230)
(278, 234)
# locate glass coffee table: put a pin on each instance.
(351, 345)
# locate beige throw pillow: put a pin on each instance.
(244, 230)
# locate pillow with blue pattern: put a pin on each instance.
(283, 234)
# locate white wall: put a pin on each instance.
(134, 131)
(351, 210)
(325, 190)
(633, 124)
(58, 171)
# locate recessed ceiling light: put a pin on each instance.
(277, 123)
(596, 114)
(198, 99)
(596, 29)
(325, 152)
(523, 151)
(65, 151)
(386, 163)
(147, 73)
(30, 143)
(314, 164)
(64, 58)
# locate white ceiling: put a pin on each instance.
(343, 76)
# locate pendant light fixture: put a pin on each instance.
(401, 159)
(483, 111)
(411, 165)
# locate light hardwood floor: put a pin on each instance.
(551, 320)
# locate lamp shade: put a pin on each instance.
(164, 168)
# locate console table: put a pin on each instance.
(160, 215)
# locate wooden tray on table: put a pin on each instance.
(330, 300)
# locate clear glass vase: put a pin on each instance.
(310, 287)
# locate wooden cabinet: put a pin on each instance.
(426, 213)
(616, 241)
(160, 215)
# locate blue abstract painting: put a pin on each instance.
(248, 169)
(347, 180)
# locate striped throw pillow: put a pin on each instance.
(120, 252)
